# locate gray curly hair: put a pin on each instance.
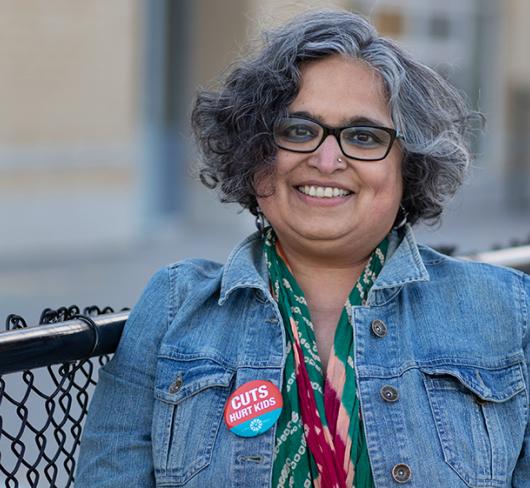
(233, 125)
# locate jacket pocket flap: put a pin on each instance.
(493, 385)
(177, 380)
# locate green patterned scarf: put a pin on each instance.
(333, 452)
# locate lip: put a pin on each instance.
(323, 184)
(322, 202)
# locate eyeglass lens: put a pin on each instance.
(359, 142)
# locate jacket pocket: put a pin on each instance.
(190, 396)
(479, 413)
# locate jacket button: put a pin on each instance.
(401, 473)
(379, 328)
(389, 393)
(176, 385)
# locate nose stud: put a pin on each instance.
(340, 160)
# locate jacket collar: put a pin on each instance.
(246, 267)
(404, 263)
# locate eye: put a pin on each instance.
(366, 137)
(297, 132)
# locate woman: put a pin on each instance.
(393, 364)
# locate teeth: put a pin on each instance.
(323, 191)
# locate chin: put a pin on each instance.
(325, 232)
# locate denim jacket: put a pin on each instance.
(441, 357)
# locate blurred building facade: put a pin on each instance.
(95, 150)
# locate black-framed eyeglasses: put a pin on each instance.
(361, 142)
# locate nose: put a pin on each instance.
(328, 158)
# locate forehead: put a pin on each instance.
(337, 89)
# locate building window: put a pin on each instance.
(439, 26)
(390, 23)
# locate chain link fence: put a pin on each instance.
(42, 410)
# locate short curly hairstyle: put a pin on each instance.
(233, 125)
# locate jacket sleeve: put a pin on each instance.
(116, 443)
(521, 475)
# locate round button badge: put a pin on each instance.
(253, 408)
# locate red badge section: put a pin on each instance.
(253, 408)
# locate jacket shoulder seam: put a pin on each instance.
(525, 302)
(441, 258)
(193, 265)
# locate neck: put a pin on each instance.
(339, 257)
(326, 284)
(326, 279)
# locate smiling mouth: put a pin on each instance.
(323, 191)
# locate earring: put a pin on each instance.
(403, 221)
(260, 222)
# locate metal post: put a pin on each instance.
(165, 79)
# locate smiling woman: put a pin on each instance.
(337, 234)
(331, 350)
(348, 227)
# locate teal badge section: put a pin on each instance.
(253, 408)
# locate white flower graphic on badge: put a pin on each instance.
(256, 425)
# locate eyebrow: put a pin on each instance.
(356, 120)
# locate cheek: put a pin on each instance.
(271, 209)
(384, 192)
(382, 181)
(267, 206)
(266, 193)
(388, 179)
(273, 182)
(264, 182)
(393, 183)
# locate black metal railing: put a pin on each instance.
(62, 336)
(56, 366)
(517, 257)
